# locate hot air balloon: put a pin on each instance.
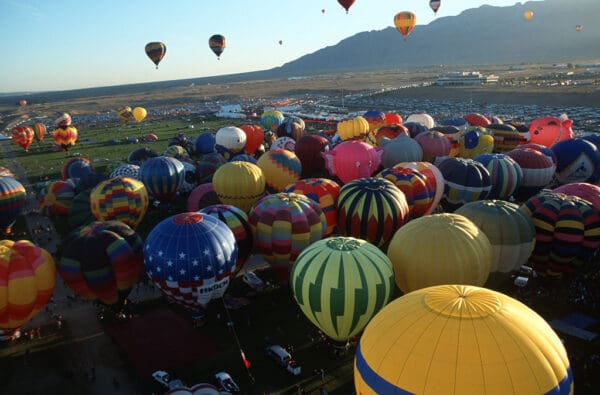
(80, 210)
(583, 190)
(352, 159)
(460, 339)
(140, 155)
(465, 181)
(422, 118)
(400, 149)
(280, 42)
(309, 150)
(78, 167)
(22, 136)
(240, 184)
(125, 113)
(271, 119)
(567, 229)
(418, 191)
(284, 224)
(528, 14)
(475, 141)
(126, 170)
(292, 126)
(340, 283)
(102, 261)
(13, 199)
(229, 141)
(434, 144)
(537, 168)
(577, 160)
(280, 168)
(476, 119)
(120, 199)
(353, 128)
(208, 165)
(393, 118)
(139, 113)
(510, 231)
(405, 22)
(217, 44)
(237, 220)
(5, 172)
(22, 102)
(462, 253)
(202, 196)
(57, 199)
(65, 136)
(205, 143)
(39, 129)
(388, 131)
(372, 209)
(156, 51)
(435, 5)
(578, 28)
(506, 174)
(162, 177)
(375, 119)
(346, 4)
(286, 143)
(27, 279)
(255, 136)
(62, 120)
(191, 257)
(549, 130)
(506, 137)
(323, 191)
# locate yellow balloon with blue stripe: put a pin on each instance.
(460, 339)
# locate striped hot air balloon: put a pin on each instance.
(101, 261)
(39, 129)
(434, 178)
(538, 170)
(13, 199)
(323, 191)
(238, 221)
(567, 231)
(120, 199)
(506, 137)
(371, 209)
(460, 339)
(417, 190)
(439, 249)
(340, 283)
(465, 181)
(162, 176)
(283, 225)
(57, 198)
(27, 279)
(506, 174)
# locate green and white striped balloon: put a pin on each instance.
(340, 283)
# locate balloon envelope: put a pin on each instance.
(156, 51)
(217, 44)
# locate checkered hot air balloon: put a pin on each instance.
(126, 170)
(340, 283)
(102, 261)
(120, 199)
(323, 191)
(162, 176)
(567, 231)
(191, 258)
(13, 198)
(237, 220)
(371, 209)
(283, 224)
(27, 279)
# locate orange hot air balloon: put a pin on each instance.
(528, 14)
(23, 136)
(405, 21)
(39, 129)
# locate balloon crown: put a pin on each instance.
(187, 218)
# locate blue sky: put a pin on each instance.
(70, 44)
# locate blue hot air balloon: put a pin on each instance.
(162, 176)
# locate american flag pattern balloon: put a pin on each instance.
(191, 258)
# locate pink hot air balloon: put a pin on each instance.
(352, 159)
(549, 130)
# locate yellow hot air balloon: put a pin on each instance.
(357, 127)
(239, 184)
(139, 113)
(578, 28)
(528, 14)
(405, 21)
(458, 339)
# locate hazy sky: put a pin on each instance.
(69, 44)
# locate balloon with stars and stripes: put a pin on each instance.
(191, 258)
(340, 283)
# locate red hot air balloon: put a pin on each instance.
(39, 129)
(23, 136)
(65, 136)
(23, 103)
(346, 4)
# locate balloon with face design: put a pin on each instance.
(578, 160)
(350, 160)
(549, 130)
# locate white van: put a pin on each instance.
(284, 359)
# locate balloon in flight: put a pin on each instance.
(405, 21)
(217, 44)
(435, 5)
(346, 4)
(156, 51)
(528, 14)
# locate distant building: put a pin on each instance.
(466, 78)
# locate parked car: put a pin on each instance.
(284, 359)
(253, 281)
(226, 383)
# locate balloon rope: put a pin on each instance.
(237, 340)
